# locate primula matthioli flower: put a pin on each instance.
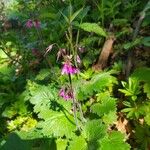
(81, 49)
(37, 23)
(61, 53)
(69, 69)
(66, 95)
(78, 59)
(29, 23)
(62, 92)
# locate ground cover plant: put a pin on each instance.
(74, 75)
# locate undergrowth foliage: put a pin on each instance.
(51, 94)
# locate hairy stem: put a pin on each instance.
(74, 103)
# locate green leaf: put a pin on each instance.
(94, 130)
(93, 27)
(61, 144)
(49, 15)
(142, 133)
(103, 80)
(146, 41)
(110, 118)
(126, 103)
(43, 74)
(132, 44)
(78, 143)
(9, 43)
(75, 14)
(65, 17)
(142, 74)
(100, 82)
(114, 140)
(126, 92)
(58, 125)
(127, 109)
(107, 105)
(44, 100)
(14, 142)
(147, 89)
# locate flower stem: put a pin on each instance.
(74, 103)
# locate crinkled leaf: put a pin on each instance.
(107, 105)
(43, 74)
(114, 140)
(94, 130)
(78, 143)
(98, 83)
(110, 118)
(59, 124)
(61, 144)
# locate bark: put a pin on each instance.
(105, 53)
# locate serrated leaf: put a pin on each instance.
(94, 130)
(132, 44)
(100, 82)
(43, 98)
(114, 140)
(61, 144)
(110, 118)
(78, 143)
(43, 74)
(93, 27)
(107, 105)
(58, 125)
(103, 80)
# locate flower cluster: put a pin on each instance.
(66, 94)
(69, 69)
(30, 23)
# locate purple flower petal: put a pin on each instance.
(78, 59)
(29, 23)
(37, 24)
(66, 95)
(62, 92)
(69, 69)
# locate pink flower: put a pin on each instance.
(69, 69)
(29, 23)
(66, 95)
(81, 49)
(37, 23)
(61, 52)
(78, 59)
(62, 92)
